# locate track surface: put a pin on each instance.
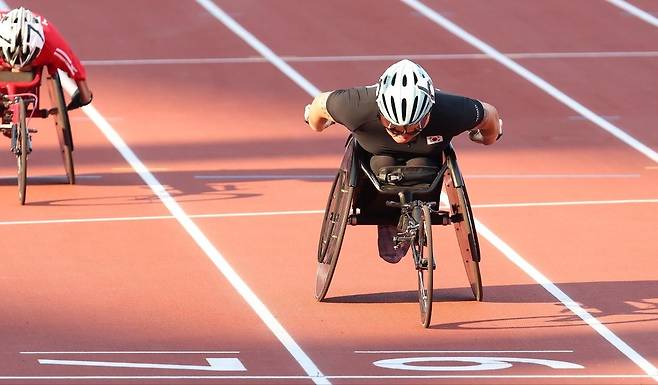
(103, 283)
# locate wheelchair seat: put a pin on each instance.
(372, 191)
(407, 175)
(404, 179)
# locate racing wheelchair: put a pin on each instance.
(358, 196)
(19, 92)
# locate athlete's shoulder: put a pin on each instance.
(449, 101)
(355, 94)
(350, 106)
(457, 112)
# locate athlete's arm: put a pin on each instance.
(316, 114)
(490, 128)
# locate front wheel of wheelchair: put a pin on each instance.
(21, 150)
(421, 247)
(63, 126)
(464, 224)
(333, 229)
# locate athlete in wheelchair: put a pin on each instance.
(397, 159)
(28, 44)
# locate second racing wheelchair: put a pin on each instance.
(20, 102)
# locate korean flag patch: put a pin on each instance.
(434, 139)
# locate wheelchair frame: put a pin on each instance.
(357, 197)
(20, 103)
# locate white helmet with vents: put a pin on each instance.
(21, 37)
(405, 93)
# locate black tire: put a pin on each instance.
(422, 249)
(63, 126)
(22, 149)
(464, 224)
(333, 229)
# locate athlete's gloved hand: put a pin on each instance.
(500, 129)
(307, 112)
(477, 137)
(76, 102)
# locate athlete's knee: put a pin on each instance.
(379, 161)
(423, 161)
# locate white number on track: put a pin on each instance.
(478, 363)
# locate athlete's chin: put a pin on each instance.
(402, 138)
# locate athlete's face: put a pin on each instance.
(404, 134)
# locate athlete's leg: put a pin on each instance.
(379, 161)
(423, 161)
(385, 233)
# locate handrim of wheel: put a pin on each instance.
(422, 249)
(63, 127)
(332, 232)
(465, 232)
(21, 156)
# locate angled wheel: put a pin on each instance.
(333, 230)
(423, 254)
(63, 126)
(464, 224)
(22, 148)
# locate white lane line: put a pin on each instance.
(635, 11)
(261, 213)
(269, 176)
(201, 240)
(85, 220)
(364, 58)
(256, 44)
(561, 296)
(201, 60)
(571, 103)
(53, 177)
(457, 351)
(138, 352)
(550, 176)
(348, 377)
(531, 77)
(609, 118)
(129, 169)
(574, 203)
(159, 217)
(473, 176)
(581, 55)
(312, 212)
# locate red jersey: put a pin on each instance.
(55, 54)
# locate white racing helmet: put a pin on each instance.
(405, 93)
(21, 37)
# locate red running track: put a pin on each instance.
(103, 285)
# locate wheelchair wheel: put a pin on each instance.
(63, 126)
(333, 229)
(21, 151)
(421, 247)
(462, 219)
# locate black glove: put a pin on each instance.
(76, 102)
(307, 112)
